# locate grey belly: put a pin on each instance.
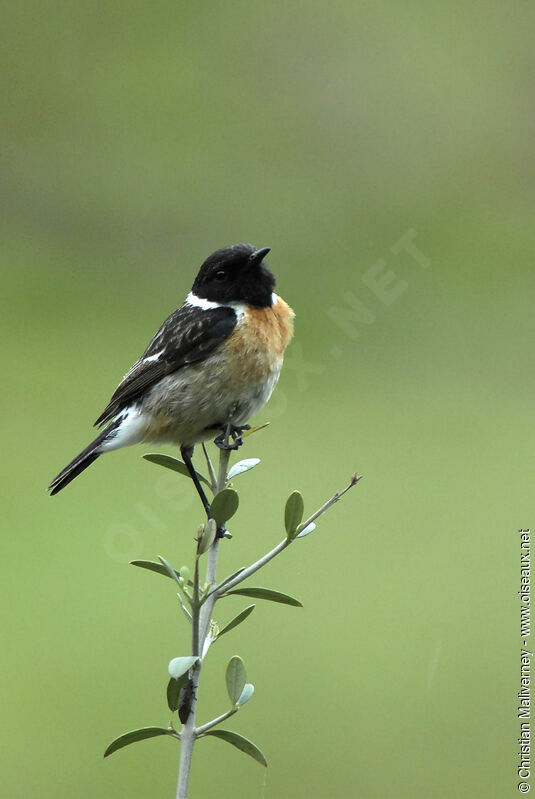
(187, 406)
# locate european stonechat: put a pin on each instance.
(212, 364)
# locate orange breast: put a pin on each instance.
(259, 341)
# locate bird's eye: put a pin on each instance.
(220, 275)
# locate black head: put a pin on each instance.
(236, 274)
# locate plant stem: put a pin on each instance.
(224, 458)
(201, 615)
(211, 473)
(187, 741)
(243, 575)
(252, 569)
(218, 720)
(330, 502)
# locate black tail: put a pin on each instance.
(81, 462)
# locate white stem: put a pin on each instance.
(223, 469)
(204, 613)
(243, 575)
(211, 473)
(187, 741)
(330, 502)
(251, 569)
(213, 553)
(218, 720)
(184, 608)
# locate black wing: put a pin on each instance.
(187, 336)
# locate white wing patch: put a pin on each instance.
(154, 357)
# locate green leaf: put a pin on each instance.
(174, 464)
(236, 678)
(179, 666)
(237, 620)
(209, 530)
(169, 569)
(293, 512)
(267, 593)
(246, 694)
(152, 566)
(173, 691)
(224, 506)
(243, 466)
(136, 735)
(241, 743)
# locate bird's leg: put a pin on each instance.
(186, 453)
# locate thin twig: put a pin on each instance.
(224, 458)
(252, 569)
(196, 644)
(202, 613)
(283, 544)
(211, 472)
(330, 502)
(208, 726)
(201, 622)
(184, 608)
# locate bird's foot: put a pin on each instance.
(231, 432)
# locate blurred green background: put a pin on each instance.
(135, 139)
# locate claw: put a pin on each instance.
(222, 444)
(222, 441)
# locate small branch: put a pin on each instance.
(201, 613)
(201, 616)
(211, 472)
(184, 608)
(187, 741)
(208, 606)
(223, 468)
(283, 544)
(208, 726)
(330, 502)
(195, 649)
(174, 732)
(252, 569)
(187, 594)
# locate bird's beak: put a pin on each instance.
(258, 256)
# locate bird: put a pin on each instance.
(213, 364)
